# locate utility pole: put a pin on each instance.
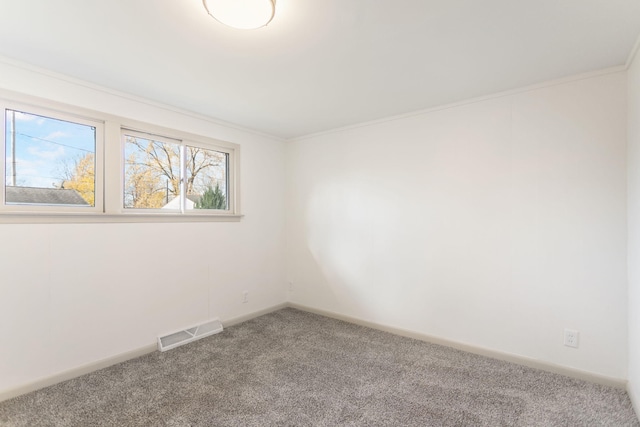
(13, 148)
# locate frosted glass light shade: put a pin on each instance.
(242, 14)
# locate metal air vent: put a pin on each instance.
(184, 336)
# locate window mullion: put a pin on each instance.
(113, 168)
(183, 183)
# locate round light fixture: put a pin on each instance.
(242, 14)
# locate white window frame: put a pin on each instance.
(159, 138)
(230, 195)
(98, 156)
(109, 169)
(182, 143)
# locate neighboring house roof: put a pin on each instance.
(174, 203)
(43, 196)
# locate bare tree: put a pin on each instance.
(157, 164)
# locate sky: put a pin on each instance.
(44, 148)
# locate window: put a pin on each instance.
(165, 174)
(62, 162)
(50, 161)
(152, 173)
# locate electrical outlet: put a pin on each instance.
(571, 338)
(245, 297)
(290, 286)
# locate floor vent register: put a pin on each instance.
(184, 336)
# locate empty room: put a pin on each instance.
(320, 213)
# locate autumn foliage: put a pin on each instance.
(83, 177)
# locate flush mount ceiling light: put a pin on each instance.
(242, 14)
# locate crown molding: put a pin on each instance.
(511, 92)
(129, 97)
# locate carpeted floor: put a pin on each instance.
(292, 368)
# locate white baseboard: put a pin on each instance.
(235, 320)
(76, 372)
(110, 361)
(513, 358)
(123, 357)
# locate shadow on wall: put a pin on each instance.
(358, 237)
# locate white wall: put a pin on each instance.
(497, 223)
(633, 168)
(72, 294)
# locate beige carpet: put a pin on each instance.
(292, 368)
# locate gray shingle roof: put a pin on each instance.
(43, 196)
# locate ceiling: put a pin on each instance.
(321, 64)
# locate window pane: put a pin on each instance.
(48, 161)
(207, 183)
(151, 174)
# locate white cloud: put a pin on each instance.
(55, 135)
(25, 117)
(49, 155)
(36, 173)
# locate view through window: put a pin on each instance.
(48, 161)
(67, 164)
(161, 173)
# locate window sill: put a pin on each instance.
(69, 218)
